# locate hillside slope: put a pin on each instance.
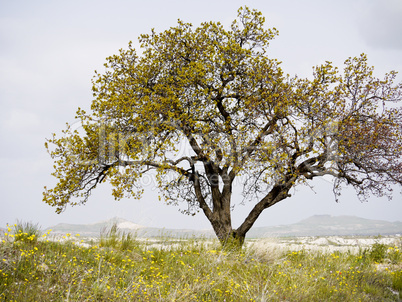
(319, 225)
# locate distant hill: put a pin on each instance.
(90, 229)
(95, 229)
(326, 225)
(318, 225)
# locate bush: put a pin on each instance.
(26, 231)
(397, 282)
(117, 239)
(378, 252)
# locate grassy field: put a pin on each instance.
(118, 267)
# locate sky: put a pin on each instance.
(49, 51)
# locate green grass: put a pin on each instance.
(121, 268)
(24, 231)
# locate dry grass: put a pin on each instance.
(121, 268)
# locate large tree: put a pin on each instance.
(206, 109)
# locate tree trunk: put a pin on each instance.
(220, 214)
(221, 222)
(222, 225)
(228, 237)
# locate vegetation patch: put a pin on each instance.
(117, 268)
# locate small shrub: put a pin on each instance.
(378, 252)
(394, 254)
(110, 237)
(397, 282)
(26, 231)
(114, 238)
(128, 241)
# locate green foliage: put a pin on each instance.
(397, 282)
(378, 252)
(25, 231)
(394, 254)
(203, 107)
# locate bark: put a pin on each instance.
(234, 238)
(276, 194)
(220, 214)
(228, 237)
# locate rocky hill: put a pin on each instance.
(326, 225)
(95, 229)
(319, 225)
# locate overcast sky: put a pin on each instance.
(50, 49)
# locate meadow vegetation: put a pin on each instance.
(35, 266)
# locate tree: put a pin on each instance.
(205, 109)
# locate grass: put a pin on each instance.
(24, 231)
(114, 238)
(121, 268)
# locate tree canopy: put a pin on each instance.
(205, 109)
